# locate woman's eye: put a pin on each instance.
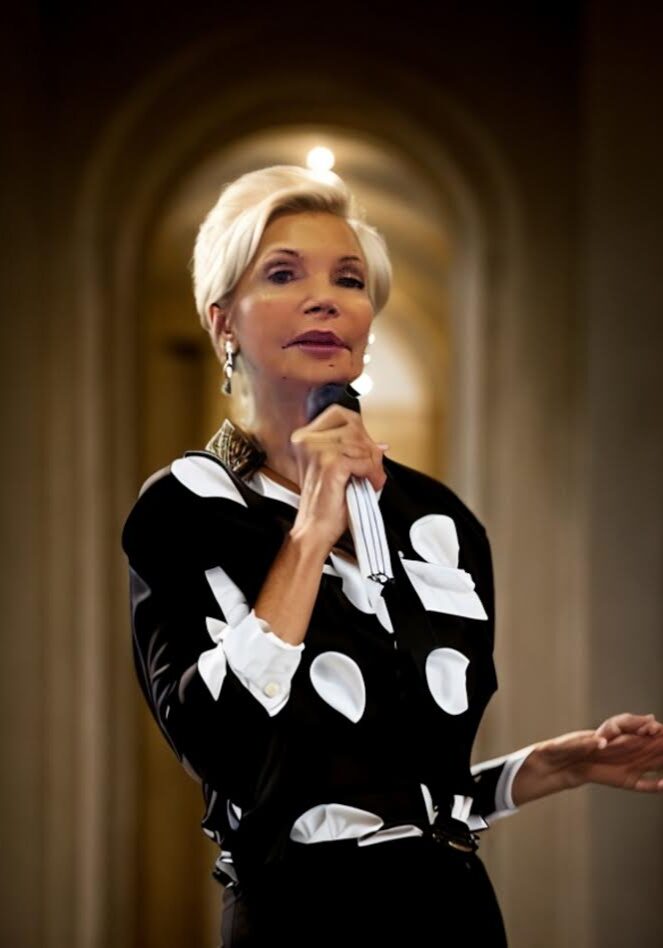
(359, 283)
(277, 273)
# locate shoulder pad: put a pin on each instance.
(162, 472)
(422, 484)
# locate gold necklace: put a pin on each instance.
(281, 478)
(242, 453)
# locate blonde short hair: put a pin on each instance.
(230, 233)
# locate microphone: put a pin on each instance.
(364, 515)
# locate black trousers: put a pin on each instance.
(414, 892)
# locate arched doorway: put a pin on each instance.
(129, 189)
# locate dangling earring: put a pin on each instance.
(228, 368)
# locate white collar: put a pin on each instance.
(262, 484)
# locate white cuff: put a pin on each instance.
(504, 805)
(262, 661)
(514, 761)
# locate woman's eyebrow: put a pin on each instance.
(297, 253)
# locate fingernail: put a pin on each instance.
(602, 742)
(383, 445)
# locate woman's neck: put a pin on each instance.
(274, 421)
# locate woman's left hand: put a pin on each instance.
(618, 753)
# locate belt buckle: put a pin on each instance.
(464, 840)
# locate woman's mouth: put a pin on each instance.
(320, 349)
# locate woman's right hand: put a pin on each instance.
(328, 450)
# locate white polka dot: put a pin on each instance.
(338, 680)
(461, 807)
(234, 814)
(435, 539)
(431, 809)
(327, 821)
(392, 832)
(364, 593)
(445, 589)
(206, 477)
(445, 673)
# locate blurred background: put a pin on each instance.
(512, 156)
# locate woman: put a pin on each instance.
(329, 718)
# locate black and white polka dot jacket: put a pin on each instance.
(365, 729)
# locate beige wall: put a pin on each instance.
(624, 349)
(537, 136)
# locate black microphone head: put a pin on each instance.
(331, 393)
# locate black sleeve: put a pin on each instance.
(493, 778)
(217, 684)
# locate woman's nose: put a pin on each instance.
(323, 296)
(325, 305)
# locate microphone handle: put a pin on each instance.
(329, 394)
(364, 515)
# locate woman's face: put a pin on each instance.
(308, 274)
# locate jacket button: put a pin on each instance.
(272, 688)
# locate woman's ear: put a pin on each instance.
(219, 325)
(217, 321)
(216, 318)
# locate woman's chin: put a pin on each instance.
(320, 373)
